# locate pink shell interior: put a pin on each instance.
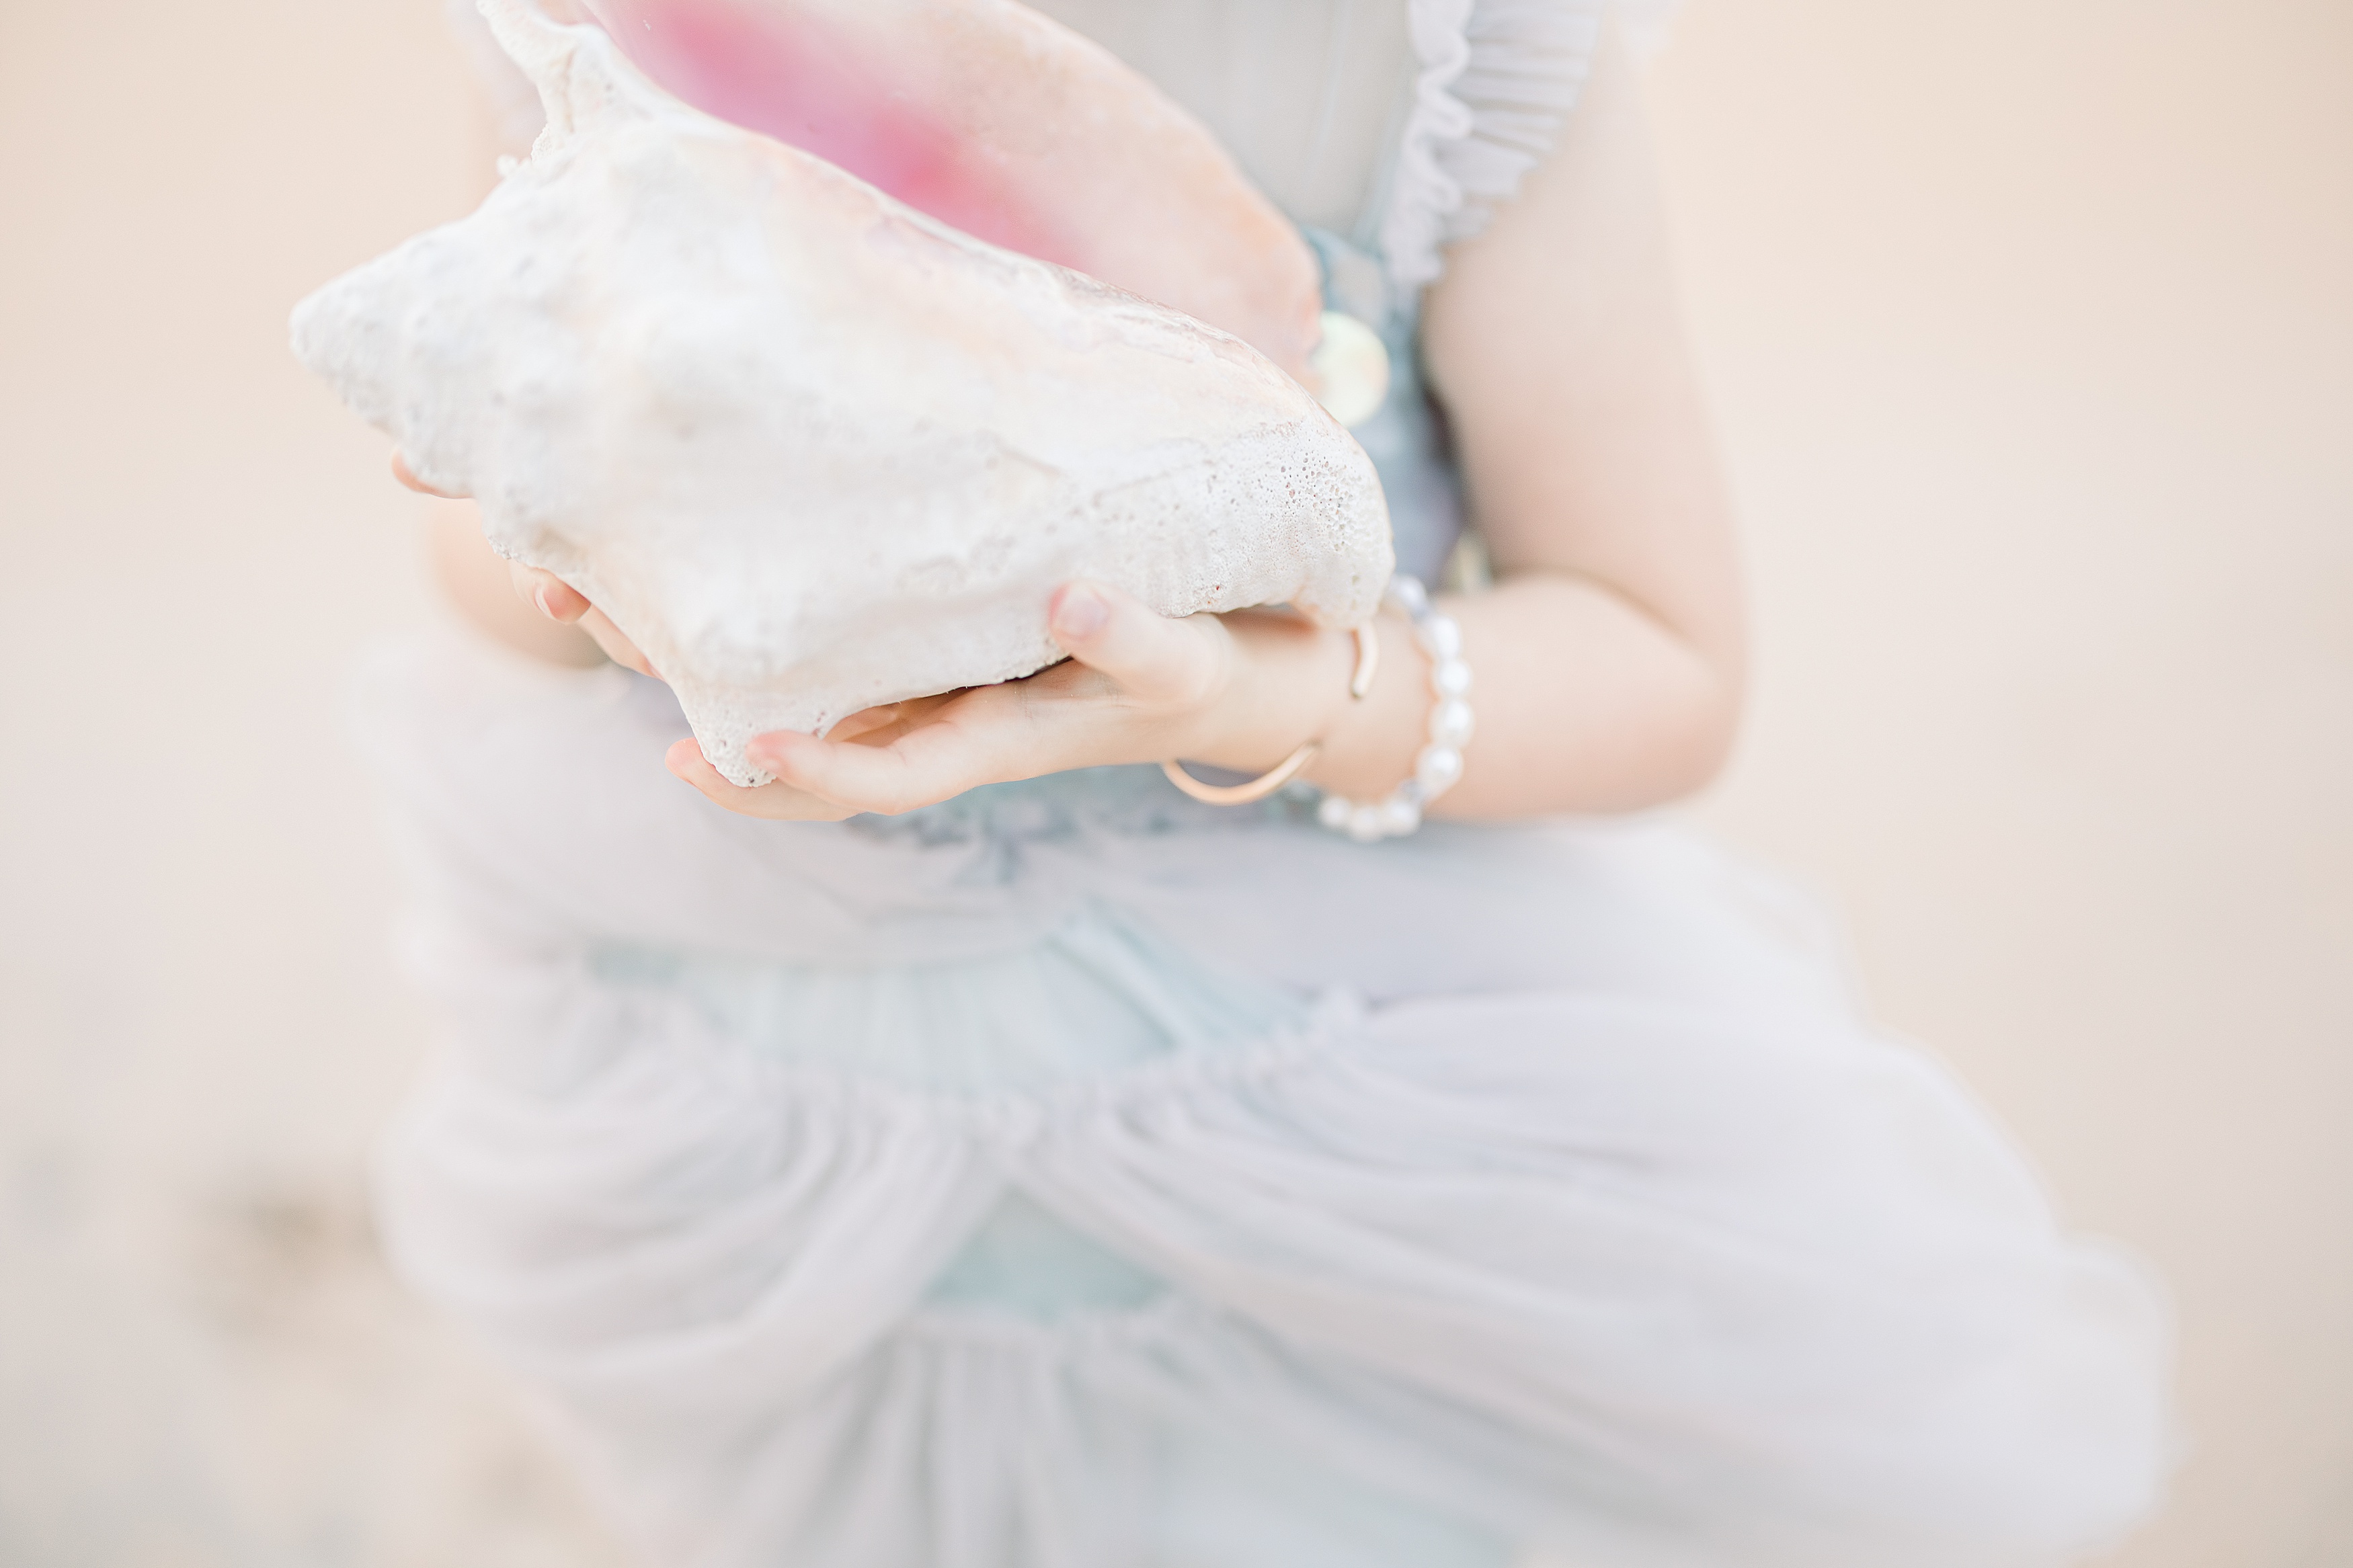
(778, 71)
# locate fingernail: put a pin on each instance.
(1080, 612)
(539, 597)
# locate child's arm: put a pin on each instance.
(1609, 658)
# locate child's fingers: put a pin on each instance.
(866, 723)
(878, 726)
(617, 648)
(560, 601)
(557, 599)
(931, 762)
(856, 777)
(777, 802)
(407, 475)
(1151, 657)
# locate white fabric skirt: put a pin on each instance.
(1073, 1176)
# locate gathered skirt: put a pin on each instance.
(1073, 1175)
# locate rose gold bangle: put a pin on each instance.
(1368, 663)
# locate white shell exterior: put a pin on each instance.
(810, 449)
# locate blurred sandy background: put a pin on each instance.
(2030, 327)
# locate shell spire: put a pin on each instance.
(584, 81)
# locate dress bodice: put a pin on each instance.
(1398, 125)
(1309, 96)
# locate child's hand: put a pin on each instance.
(556, 599)
(1240, 690)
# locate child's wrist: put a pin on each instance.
(1369, 747)
(1287, 686)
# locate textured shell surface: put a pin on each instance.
(811, 449)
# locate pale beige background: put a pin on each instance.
(2030, 327)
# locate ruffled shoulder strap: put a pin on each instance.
(1497, 79)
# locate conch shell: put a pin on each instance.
(811, 449)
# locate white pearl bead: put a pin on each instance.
(1365, 823)
(1453, 678)
(1438, 767)
(1450, 723)
(1408, 595)
(1441, 636)
(1399, 816)
(1334, 813)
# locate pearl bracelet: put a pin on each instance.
(1439, 763)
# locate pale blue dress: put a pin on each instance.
(1075, 1177)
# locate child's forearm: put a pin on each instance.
(1584, 703)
